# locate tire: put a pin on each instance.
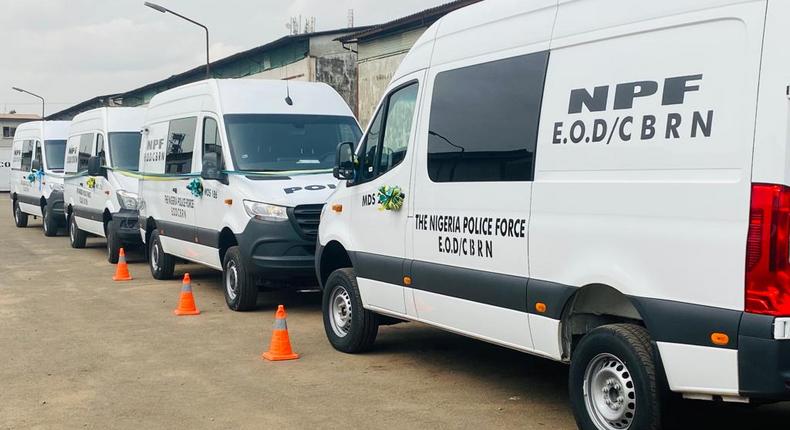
(77, 237)
(20, 218)
(614, 381)
(50, 222)
(113, 242)
(241, 290)
(162, 265)
(349, 327)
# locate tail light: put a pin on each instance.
(768, 251)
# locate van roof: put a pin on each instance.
(108, 119)
(247, 96)
(53, 130)
(455, 36)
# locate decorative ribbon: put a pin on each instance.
(196, 187)
(391, 198)
(36, 175)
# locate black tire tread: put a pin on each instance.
(247, 299)
(167, 262)
(51, 229)
(113, 243)
(637, 338)
(80, 237)
(369, 325)
(23, 218)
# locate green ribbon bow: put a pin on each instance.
(196, 187)
(391, 198)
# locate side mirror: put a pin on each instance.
(211, 170)
(35, 165)
(95, 168)
(344, 162)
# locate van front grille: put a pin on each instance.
(306, 219)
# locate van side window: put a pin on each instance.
(86, 148)
(484, 121)
(180, 145)
(100, 149)
(387, 140)
(38, 155)
(27, 155)
(211, 141)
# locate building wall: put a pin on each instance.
(377, 62)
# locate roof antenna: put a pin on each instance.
(288, 98)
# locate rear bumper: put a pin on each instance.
(763, 362)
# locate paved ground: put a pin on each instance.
(80, 351)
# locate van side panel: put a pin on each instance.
(644, 164)
(772, 138)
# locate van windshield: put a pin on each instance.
(125, 150)
(56, 153)
(276, 143)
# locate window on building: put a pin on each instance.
(484, 121)
(8, 132)
(180, 145)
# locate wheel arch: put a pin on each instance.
(227, 239)
(333, 256)
(593, 306)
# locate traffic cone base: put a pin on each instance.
(122, 268)
(186, 302)
(280, 347)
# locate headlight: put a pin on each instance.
(55, 187)
(265, 212)
(128, 201)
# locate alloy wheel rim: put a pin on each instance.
(231, 280)
(609, 393)
(341, 311)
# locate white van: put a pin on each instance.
(234, 176)
(597, 183)
(37, 173)
(102, 158)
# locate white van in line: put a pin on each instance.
(596, 183)
(100, 191)
(234, 176)
(37, 173)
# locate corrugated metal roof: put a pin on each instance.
(420, 19)
(201, 69)
(19, 116)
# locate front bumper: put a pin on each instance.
(276, 251)
(127, 224)
(55, 204)
(763, 362)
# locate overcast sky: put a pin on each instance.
(69, 51)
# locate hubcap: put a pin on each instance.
(155, 255)
(340, 312)
(232, 280)
(609, 393)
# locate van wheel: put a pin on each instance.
(349, 327)
(77, 237)
(162, 265)
(241, 290)
(50, 222)
(20, 218)
(113, 242)
(613, 382)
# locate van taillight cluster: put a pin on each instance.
(768, 251)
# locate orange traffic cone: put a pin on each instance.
(186, 303)
(280, 347)
(122, 269)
